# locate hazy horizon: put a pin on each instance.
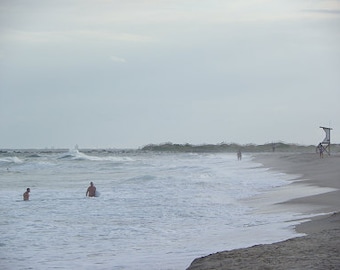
(80, 148)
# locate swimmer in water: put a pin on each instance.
(26, 195)
(91, 190)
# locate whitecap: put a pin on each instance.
(9, 160)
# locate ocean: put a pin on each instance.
(155, 211)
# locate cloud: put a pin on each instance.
(324, 11)
(117, 59)
(69, 36)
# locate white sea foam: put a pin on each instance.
(9, 160)
(74, 154)
(156, 211)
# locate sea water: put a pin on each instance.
(155, 210)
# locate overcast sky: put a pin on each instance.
(127, 73)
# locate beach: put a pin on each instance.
(320, 247)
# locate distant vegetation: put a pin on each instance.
(224, 147)
(190, 148)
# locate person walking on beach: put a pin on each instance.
(26, 195)
(320, 148)
(91, 190)
(239, 155)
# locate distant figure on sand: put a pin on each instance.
(320, 149)
(26, 195)
(239, 155)
(91, 190)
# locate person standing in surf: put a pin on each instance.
(91, 190)
(26, 195)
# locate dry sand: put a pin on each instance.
(320, 248)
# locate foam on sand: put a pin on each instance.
(315, 192)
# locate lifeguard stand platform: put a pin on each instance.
(326, 143)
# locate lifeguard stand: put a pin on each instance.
(326, 143)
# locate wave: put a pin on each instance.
(10, 160)
(34, 156)
(75, 154)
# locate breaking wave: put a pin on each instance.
(10, 160)
(75, 154)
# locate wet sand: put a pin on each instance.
(320, 248)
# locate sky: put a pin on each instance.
(124, 74)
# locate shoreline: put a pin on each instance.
(320, 247)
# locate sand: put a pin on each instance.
(320, 247)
